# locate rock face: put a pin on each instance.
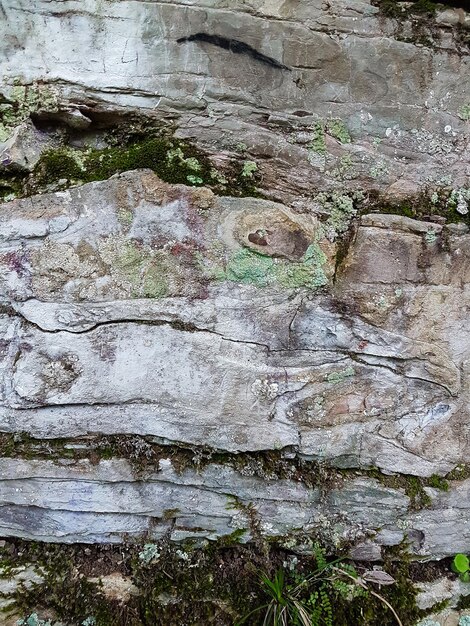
(141, 308)
(321, 95)
(301, 322)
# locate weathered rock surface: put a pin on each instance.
(137, 307)
(302, 324)
(268, 76)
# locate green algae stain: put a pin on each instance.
(141, 272)
(308, 273)
(249, 267)
(155, 281)
(464, 112)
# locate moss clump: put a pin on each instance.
(11, 186)
(413, 486)
(239, 179)
(461, 472)
(425, 7)
(145, 456)
(71, 596)
(438, 482)
(397, 9)
(452, 204)
(58, 164)
(184, 584)
(173, 162)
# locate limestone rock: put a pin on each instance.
(302, 322)
(24, 148)
(383, 104)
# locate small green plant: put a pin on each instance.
(461, 566)
(284, 607)
(298, 599)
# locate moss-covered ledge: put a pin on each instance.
(145, 455)
(156, 584)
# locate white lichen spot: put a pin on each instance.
(459, 199)
(430, 237)
(150, 553)
(462, 206)
(182, 555)
(378, 170)
(265, 389)
(381, 302)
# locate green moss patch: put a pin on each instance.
(396, 9)
(447, 203)
(218, 583)
(173, 160)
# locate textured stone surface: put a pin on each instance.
(231, 349)
(356, 377)
(303, 324)
(401, 107)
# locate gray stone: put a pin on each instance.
(440, 590)
(395, 97)
(132, 306)
(449, 17)
(23, 149)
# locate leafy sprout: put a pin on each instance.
(461, 565)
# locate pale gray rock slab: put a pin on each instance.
(41, 497)
(440, 590)
(23, 149)
(71, 502)
(163, 423)
(355, 379)
(76, 527)
(344, 62)
(133, 307)
(236, 312)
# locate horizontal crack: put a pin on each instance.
(175, 324)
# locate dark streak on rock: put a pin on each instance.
(234, 45)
